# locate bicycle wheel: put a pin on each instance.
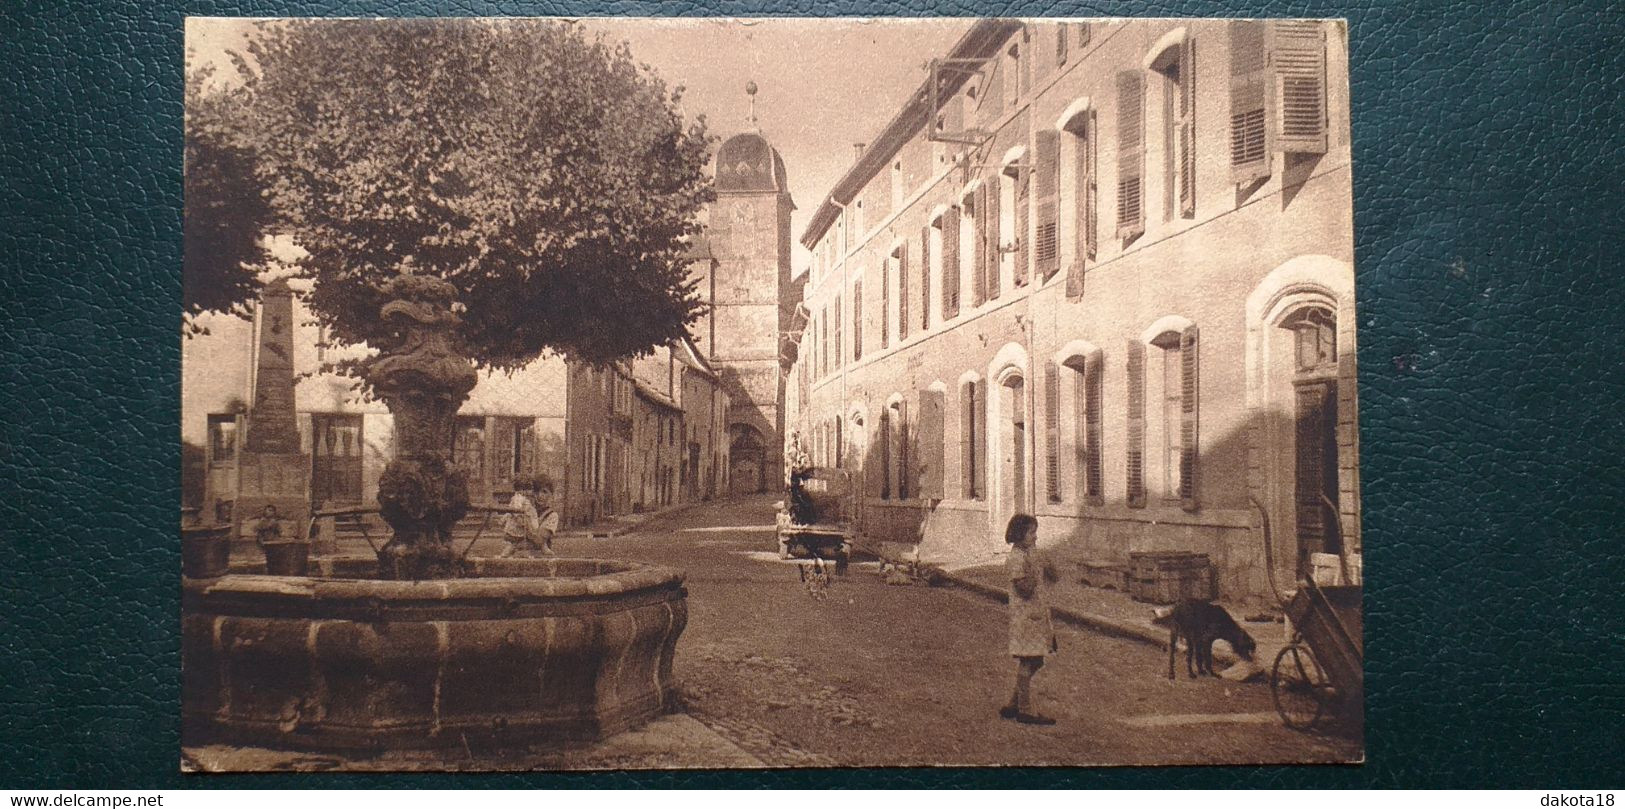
(1299, 688)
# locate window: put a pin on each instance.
(931, 443)
(857, 320)
(1171, 405)
(1060, 44)
(1012, 243)
(1015, 77)
(1315, 339)
(222, 437)
(1130, 154)
(1176, 397)
(1081, 135)
(1175, 68)
(1086, 427)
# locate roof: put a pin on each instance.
(686, 353)
(655, 397)
(981, 41)
(746, 162)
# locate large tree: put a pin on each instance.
(478, 191)
(547, 176)
(227, 211)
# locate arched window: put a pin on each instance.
(1315, 340)
(1168, 380)
(1173, 69)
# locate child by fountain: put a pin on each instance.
(519, 527)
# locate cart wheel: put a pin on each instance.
(1300, 690)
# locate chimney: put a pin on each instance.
(857, 152)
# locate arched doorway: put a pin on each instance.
(747, 452)
(1311, 332)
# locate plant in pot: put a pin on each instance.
(468, 194)
(286, 553)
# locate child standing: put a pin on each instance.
(547, 520)
(1032, 634)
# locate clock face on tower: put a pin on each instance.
(743, 215)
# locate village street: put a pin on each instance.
(877, 674)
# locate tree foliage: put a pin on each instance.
(547, 176)
(226, 210)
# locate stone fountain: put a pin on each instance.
(422, 648)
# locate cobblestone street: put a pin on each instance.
(877, 674)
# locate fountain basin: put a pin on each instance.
(522, 653)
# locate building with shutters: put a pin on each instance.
(1100, 272)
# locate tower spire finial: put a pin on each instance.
(750, 90)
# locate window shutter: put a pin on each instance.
(1052, 432)
(1092, 406)
(932, 443)
(1136, 424)
(950, 264)
(1019, 240)
(1189, 451)
(1130, 153)
(991, 272)
(1083, 35)
(840, 348)
(979, 446)
(967, 438)
(1187, 128)
(902, 292)
(979, 269)
(925, 278)
(1046, 250)
(885, 453)
(905, 458)
(1299, 55)
(1092, 198)
(857, 320)
(885, 304)
(1060, 44)
(1249, 129)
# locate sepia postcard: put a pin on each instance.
(764, 393)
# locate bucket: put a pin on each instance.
(205, 551)
(287, 558)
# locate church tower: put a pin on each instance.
(753, 300)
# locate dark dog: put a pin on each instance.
(1200, 624)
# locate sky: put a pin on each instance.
(823, 85)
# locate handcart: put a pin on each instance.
(816, 519)
(1321, 671)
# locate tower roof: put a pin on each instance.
(746, 162)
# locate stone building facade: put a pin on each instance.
(1107, 280)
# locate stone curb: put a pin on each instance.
(1099, 623)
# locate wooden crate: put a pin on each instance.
(1164, 577)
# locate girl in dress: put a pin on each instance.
(1032, 634)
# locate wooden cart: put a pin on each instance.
(816, 521)
(1321, 671)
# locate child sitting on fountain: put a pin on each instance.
(547, 520)
(519, 527)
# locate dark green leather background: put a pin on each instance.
(1489, 202)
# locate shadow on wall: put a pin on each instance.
(1295, 475)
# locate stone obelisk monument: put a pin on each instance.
(272, 470)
